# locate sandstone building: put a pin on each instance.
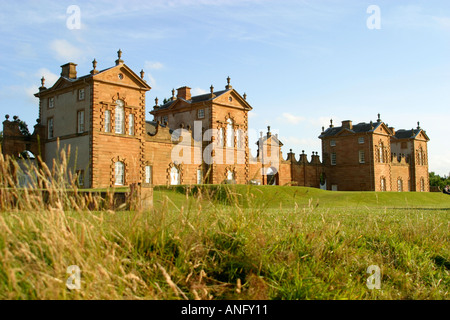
(202, 139)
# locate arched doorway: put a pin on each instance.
(272, 177)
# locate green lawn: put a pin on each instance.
(233, 242)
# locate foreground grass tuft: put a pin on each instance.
(228, 242)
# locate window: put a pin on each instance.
(362, 157)
(409, 185)
(51, 103)
(80, 178)
(119, 117)
(199, 176)
(81, 94)
(220, 138)
(422, 185)
(333, 143)
(201, 113)
(334, 187)
(230, 175)
(107, 121)
(333, 159)
(80, 121)
(50, 133)
(119, 173)
(380, 154)
(239, 138)
(148, 174)
(230, 134)
(383, 184)
(165, 120)
(361, 140)
(131, 124)
(399, 185)
(174, 176)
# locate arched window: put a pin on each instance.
(119, 116)
(119, 173)
(400, 185)
(230, 175)
(220, 137)
(230, 133)
(422, 185)
(383, 184)
(380, 153)
(174, 176)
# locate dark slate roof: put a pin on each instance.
(406, 134)
(194, 99)
(357, 128)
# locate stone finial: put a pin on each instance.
(290, 150)
(156, 102)
(331, 123)
(119, 55)
(228, 86)
(16, 118)
(94, 67)
(38, 121)
(323, 129)
(42, 82)
(303, 151)
(245, 96)
(7, 117)
(142, 74)
(173, 94)
(379, 118)
(418, 125)
(268, 129)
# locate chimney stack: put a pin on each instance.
(184, 93)
(69, 70)
(347, 124)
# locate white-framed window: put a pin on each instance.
(199, 176)
(80, 121)
(383, 184)
(362, 156)
(422, 185)
(81, 94)
(201, 113)
(119, 117)
(148, 174)
(333, 143)
(220, 137)
(230, 134)
(119, 173)
(131, 124)
(399, 185)
(333, 159)
(51, 103)
(50, 132)
(361, 140)
(230, 175)
(174, 176)
(239, 138)
(381, 153)
(107, 121)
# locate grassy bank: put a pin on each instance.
(237, 243)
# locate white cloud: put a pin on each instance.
(65, 51)
(149, 65)
(290, 118)
(50, 77)
(198, 91)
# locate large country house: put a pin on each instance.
(202, 139)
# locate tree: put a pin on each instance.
(438, 181)
(23, 127)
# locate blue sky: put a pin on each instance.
(301, 63)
